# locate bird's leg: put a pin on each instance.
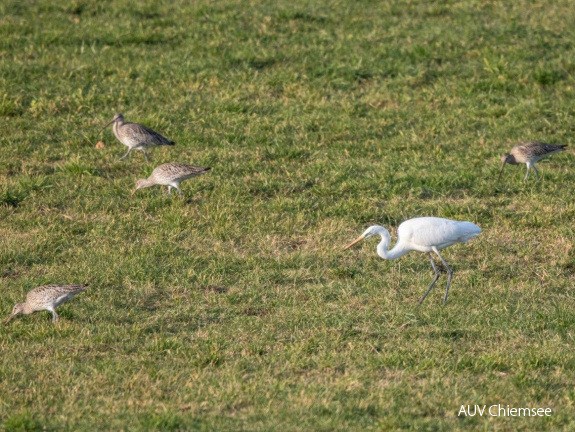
(55, 317)
(437, 274)
(527, 171)
(146, 155)
(169, 190)
(127, 153)
(449, 275)
(536, 171)
(180, 192)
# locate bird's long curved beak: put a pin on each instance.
(108, 124)
(501, 172)
(357, 240)
(134, 191)
(6, 321)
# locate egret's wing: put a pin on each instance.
(438, 232)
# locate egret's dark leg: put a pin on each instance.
(449, 275)
(437, 274)
(127, 153)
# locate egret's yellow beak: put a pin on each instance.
(357, 240)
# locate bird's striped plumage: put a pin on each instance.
(47, 297)
(529, 153)
(171, 175)
(136, 136)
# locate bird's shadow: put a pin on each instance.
(193, 200)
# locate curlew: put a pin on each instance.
(424, 234)
(136, 136)
(171, 175)
(47, 297)
(529, 153)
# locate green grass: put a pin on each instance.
(235, 308)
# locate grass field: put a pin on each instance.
(235, 308)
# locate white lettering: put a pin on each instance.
(526, 412)
(503, 411)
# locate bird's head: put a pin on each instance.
(118, 117)
(505, 158)
(142, 183)
(19, 308)
(370, 232)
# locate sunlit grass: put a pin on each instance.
(235, 308)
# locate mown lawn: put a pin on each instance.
(235, 308)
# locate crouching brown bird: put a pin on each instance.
(171, 175)
(47, 297)
(529, 153)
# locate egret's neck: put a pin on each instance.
(384, 252)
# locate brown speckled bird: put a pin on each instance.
(529, 153)
(171, 175)
(47, 297)
(136, 136)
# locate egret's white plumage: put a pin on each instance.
(425, 234)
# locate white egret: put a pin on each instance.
(424, 234)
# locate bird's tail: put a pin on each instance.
(468, 231)
(203, 170)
